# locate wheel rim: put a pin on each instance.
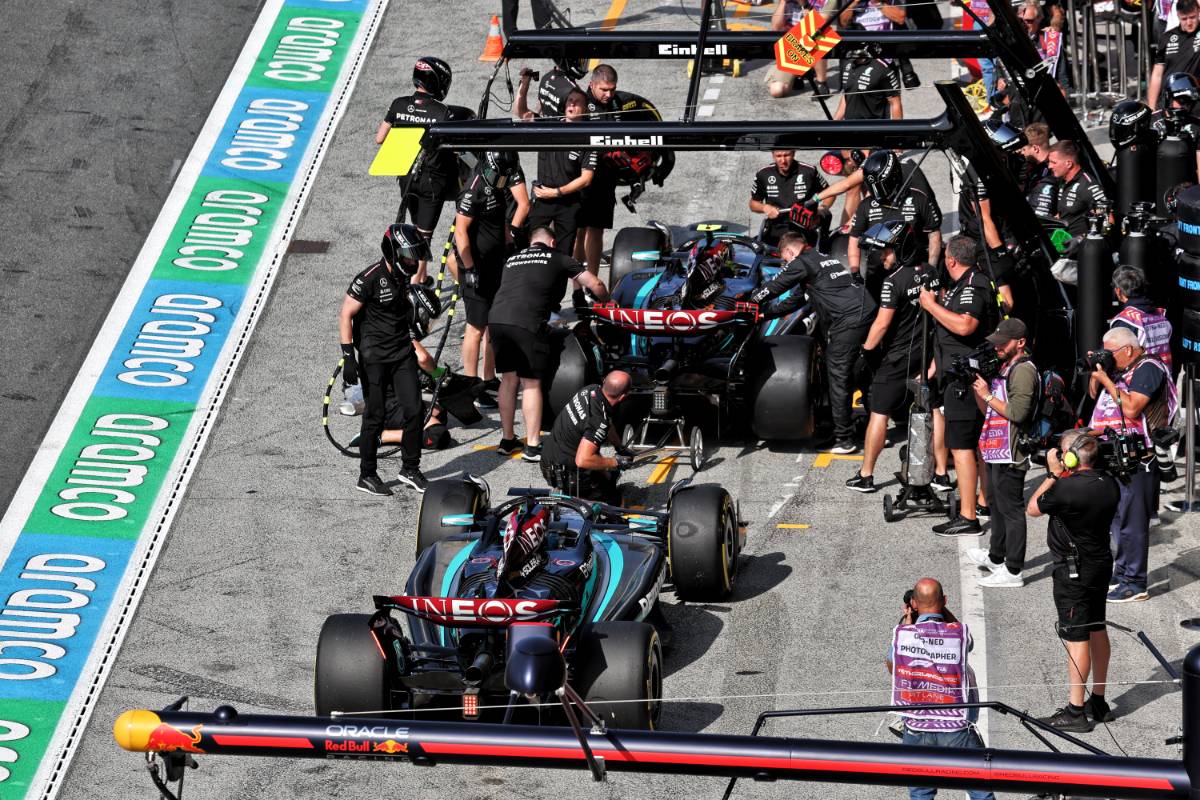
(654, 685)
(728, 550)
(697, 444)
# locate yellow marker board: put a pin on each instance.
(398, 152)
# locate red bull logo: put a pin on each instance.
(167, 738)
(391, 747)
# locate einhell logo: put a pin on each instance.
(690, 50)
(627, 141)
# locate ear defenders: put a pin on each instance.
(1070, 459)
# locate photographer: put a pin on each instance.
(1140, 400)
(1080, 501)
(964, 314)
(1147, 321)
(929, 632)
(1008, 401)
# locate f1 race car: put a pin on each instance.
(583, 576)
(702, 362)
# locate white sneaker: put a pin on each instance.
(979, 557)
(1003, 578)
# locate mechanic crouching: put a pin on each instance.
(571, 460)
(844, 309)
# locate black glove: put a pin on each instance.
(622, 450)
(349, 365)
(469, 278)
(624, 462)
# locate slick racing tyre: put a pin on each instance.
(634, 249)
(781, 388)
(703, 543)
(574, 371)
(621, 661)
(351, 675)
(444, 498)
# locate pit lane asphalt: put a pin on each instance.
(98, 107)
(272, 536)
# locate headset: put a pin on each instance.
(1070, 459)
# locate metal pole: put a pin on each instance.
(689, 110)
(1189, 437)
(1077, 54)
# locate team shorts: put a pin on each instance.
(424, 211)
(477, 306)
(562, 218)
(519, 350)
(596, 209)
(889, 390)
(1081, 604)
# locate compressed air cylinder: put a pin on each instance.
(1136, 179)
(1094, 292)
(1189, 337)
(1187, 286)
(1176, 163)
(1187, 220)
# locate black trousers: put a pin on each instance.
(841, 351)
(400, 379)
(1006, 499)
(560, 217)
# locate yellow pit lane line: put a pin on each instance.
(662, 470)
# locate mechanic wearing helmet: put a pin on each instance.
(893, 342)
(553, 89)
(531, 288)
(376, 316)
(1078, 192)
(571, 461)
(888, 198)
(780, 186)
(437, 179)
(1177, 51)
(1177, 115)
(870, 88)
(965, 312)
(483, 238)
(845, 310)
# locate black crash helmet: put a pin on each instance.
(1130, 122)
(498, 166)
(896, 234)
(1181, 89)
(433, 75)
(882, 175)
(403, 246)
(575, 68)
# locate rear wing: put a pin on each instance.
(470, 612)
(668, 322)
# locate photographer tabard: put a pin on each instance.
(1080, 501)
(1135, 396)
(965, 312)
(1008, 400)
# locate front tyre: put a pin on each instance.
(702, 543)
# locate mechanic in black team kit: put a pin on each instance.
(780, 186)
(483, 238)
(1078, 192)
(964, 314)
(531, 288)
(844, 309)
(376, 317)
(599, 198)
(1178, 51)
(572, 462)
(437, 179)
(893, 346)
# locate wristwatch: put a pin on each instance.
(988, 399)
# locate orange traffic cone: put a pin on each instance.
(494, 47)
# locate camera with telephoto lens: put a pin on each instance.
(983, 361)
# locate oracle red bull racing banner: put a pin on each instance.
(88, 519)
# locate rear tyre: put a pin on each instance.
(351, 673)
(702, 542)
(782, 371)
(573, 372)
(443, 498)
(621, 661)
(634, 249)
